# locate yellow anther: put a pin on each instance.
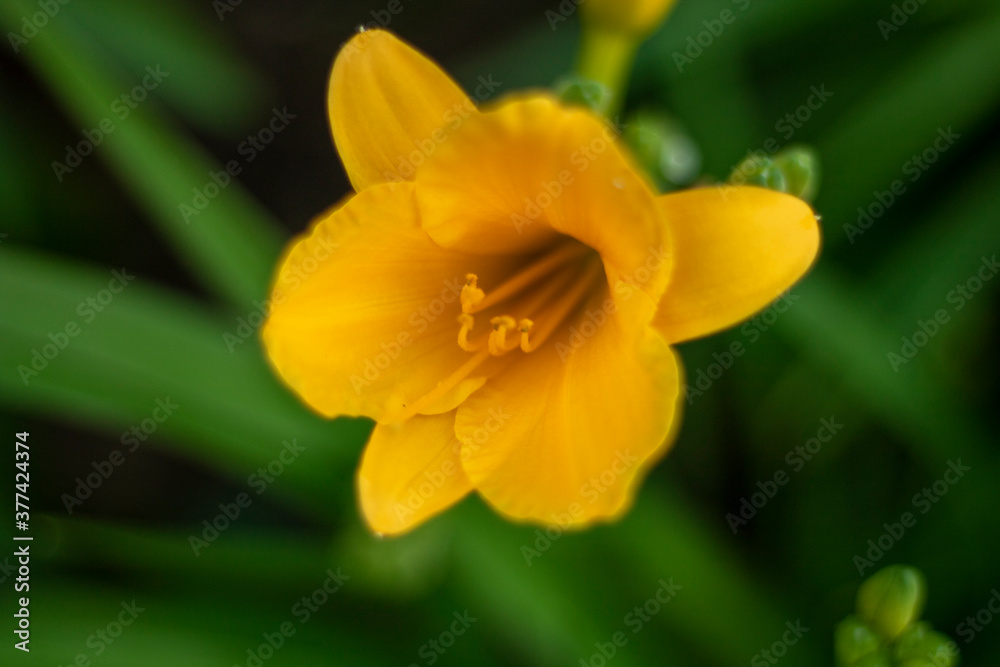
(525, 326)
(471, 294)
(553, 287)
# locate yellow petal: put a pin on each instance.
(365, 309)
(564, 434)
(389, 108)
(735, 251)
(511, 179)
(411, 472)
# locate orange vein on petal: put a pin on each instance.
(545, 265)
(563, 307)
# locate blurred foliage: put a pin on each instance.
(915, 106)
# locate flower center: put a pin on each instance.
(548, 290)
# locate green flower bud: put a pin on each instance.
(910, 639)
(579, 91)
(666, 152)
(795, 171)
(891, 599)
(760, 170)
(921, 646)
(854, 640)
(800, 166)
(880, 658)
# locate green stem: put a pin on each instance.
(606, 57)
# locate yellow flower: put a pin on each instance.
(631, 16)
(501, 294)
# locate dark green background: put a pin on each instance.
(163, 337)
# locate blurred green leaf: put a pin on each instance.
(231, 245)
(952, 83)
(947, 249)
(145, 345)
(834, 330)
(210, 84)
(663, 537)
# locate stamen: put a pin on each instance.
(550, 299)
(468, 323)
(471, 294)
(498, 339)
(563, 307)
(526, 277)
(526, 326)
